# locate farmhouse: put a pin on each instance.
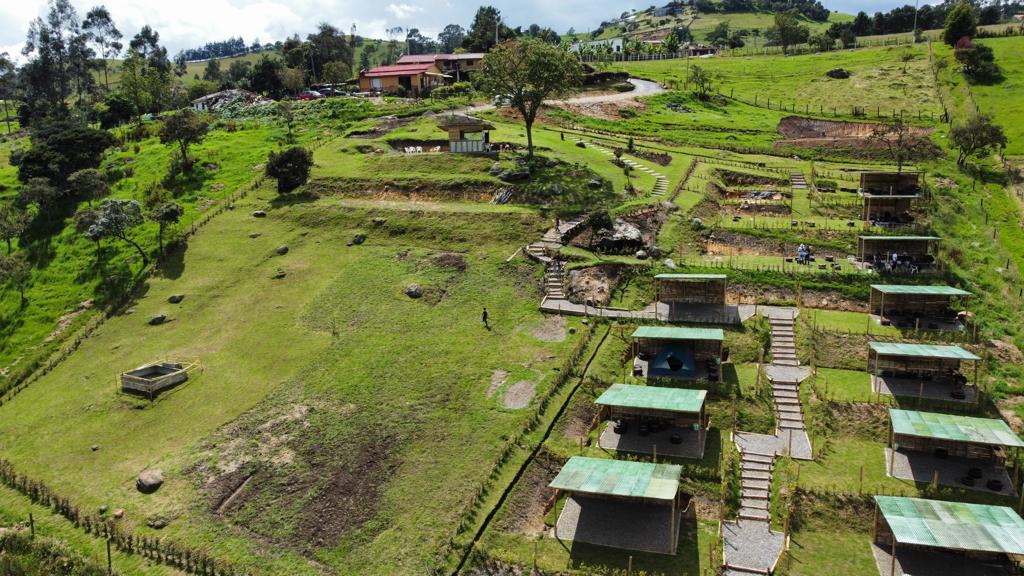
(620, 504)
(917, 536)
(889, 197)
(458, 67)
(410, 79)
(466, 134)
(897, 254)
(919, 307)
(654, 420)
(922, 371)
(676, 352)
(953, 450)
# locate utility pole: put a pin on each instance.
(916, 4)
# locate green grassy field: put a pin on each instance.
(877, 82)
(993, 99)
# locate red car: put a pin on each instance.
(310, 95)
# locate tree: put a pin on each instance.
(327, 44)
(56, 47)
(165, 214)
(977, 62)
(286, 112)
(40, 192)
(336, 72)
(16, 271)
(8, 79)
(788, 31)
(527, 72)
(85, 222)
(900, 140)
(703, 82)
(451, 37)
(212, 71)
(115, 110)
(13, 222)
(88, 184)
(238, 72)
(104, 34)
(116, 219)
(960, 23)
(265, 77)
(184, 129)
(719, 36)
(822, 42)
(417, 43)
(293, 79)
(61, 146)
(977, 137)
(485, 30)
(290, 168)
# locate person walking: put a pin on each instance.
(484, 317)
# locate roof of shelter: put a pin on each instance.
(922, 351)
(919, 290)
(623, 478)
(990, 431)
(953, 525)
(679, 333)
(653, 398)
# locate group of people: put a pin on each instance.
(903, 263)
(803, 254)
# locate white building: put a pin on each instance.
(616, 44)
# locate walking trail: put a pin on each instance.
(751, 546)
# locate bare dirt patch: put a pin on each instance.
(1005, 351)
(551, 329)
(811, 133)
(593, 285)
(606, 110)
(65, 321)
(498, 378)
(519, 394)
(451, 261)
(1008, 409)
(732, 178)
(524, 513)
(824, 299)
(726, 243)
(575, 424)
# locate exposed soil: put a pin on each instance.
(1008, 409)
(451, 261)
(811, 133)
(466, 190)
(593, 285)
(1005, 352)
(825, 299)
(384, 126)
(730, 178)
(606, 110)
(552, 329)
(726, 243)
(575, 424)
(658, 158)
(66, 320)
(524, 513)
(498, 378)
(519, 394)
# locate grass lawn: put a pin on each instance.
(877, 82)
(849, 322)
(993, 99)
(842, 385)
(400, 392)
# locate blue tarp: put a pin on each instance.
(661, 365)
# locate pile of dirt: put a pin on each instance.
(1005, 352)
(726, 243)
(812, 133)
(575, 424)
(593, 285)
(224, 98)
(451, 261)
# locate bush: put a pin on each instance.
(290, 168)
(455, 90)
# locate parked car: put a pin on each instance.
(310, 95)
(502, 101)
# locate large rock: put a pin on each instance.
(149, 481)
(176, 298)
(414, 291)
(838, 73)
(359, 239)
(281, 250)
(259, 214)
(496, 169)
(514, 175)
(595, 184)
(157, 523)
(670, 263)
(158, 320)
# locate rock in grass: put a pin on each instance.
(281, 250)
(94, 447)
(670, 263)
(158, 320)
(496, 169)
(595, 184)
(414, 291)
(514, 175)
(359, 239)
(119, 513)
(380, 221)
(157, 523)
(176, 298)
(254, 235)
(838, 73)
(279, 275)
(103, 510)
(641, 254)
(149, 481)
(259, 214)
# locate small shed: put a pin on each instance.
(466, 134)
(890, 183)
(904, 369)
(151, 379)
(960, 436)
(948, 538)
(918, 306)
(654, 420)
(897, 253)
(620, 504)
(678, 352)
(708, 289)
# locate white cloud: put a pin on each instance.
(404, 11)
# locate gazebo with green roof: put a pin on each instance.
(668, 421)
(678, 352)
(917, 306)
(690, 289)
(982, 533)
(926, 365)
(621, 483)
(950, 435)
(681, 406)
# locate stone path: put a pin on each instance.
(797, 181)
(660, 181)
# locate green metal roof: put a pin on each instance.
(929, 290)
(991, 431)
(922, 351)
(653, 398)
(691, 277)
(901, 238)
(953, 525)
(619, 478)
(679, 333)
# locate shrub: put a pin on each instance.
(290, 168)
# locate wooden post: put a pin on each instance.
(892, 461)
(892, 571)
(629, 566)
(789, 450)
(672, 527)
(32, 525)
(935, 478)
(860, 487)
(874, 526)
(655, 453)
(110, 562)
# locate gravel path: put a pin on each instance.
(750, 544)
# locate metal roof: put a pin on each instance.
(653, 398)
(679, 333)
(991, 431)
(398, 70)
(619, 478)
(901, 238)
(922, 351)
(914, 289)
(691, 277)
(953, 525)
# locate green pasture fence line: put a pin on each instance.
(819, 109)
(157, 550)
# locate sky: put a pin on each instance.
(192, 23)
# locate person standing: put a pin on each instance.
(484, 317)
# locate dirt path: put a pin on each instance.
(643, 88)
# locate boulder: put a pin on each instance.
(254, 235)
(595, 183)
(641, 254)
(697, 223)
(378, 221)
(103, 510)
(669, 263)
(119, 513)
(259, 214)
(149, 481)
(555, 189)
(176, 298)
(514, 175)
(157, 523)
(496, 169)
(838, 73)
(158, 320)
(669, 206)
(414, 291)
(281, 250)
(551, 163)
(580, 144)
(359, 239)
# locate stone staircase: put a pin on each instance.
(783, 341)
(797, 181)
(755, 486)
(660, 181)
(554, 282)
(553, 240)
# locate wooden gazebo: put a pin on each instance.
(463, 133)
(917, 306)
(897, 253)
(679, 352)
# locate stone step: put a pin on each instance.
(788, 411)
(755, 457)
(755, 475)
(732, 570)
(755, 494)
(754, 504)
(787, 362)
(787, 425)
(754, 484)
(755, 466)
(750, 514)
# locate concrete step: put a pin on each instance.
(787, 362)
(755, 494)
(754, 504)
(755, 475)
(789, 411)
(755, 466)
(786, 425)
(731, 570)
(751, 514)
(755, 484)
(755, 457)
